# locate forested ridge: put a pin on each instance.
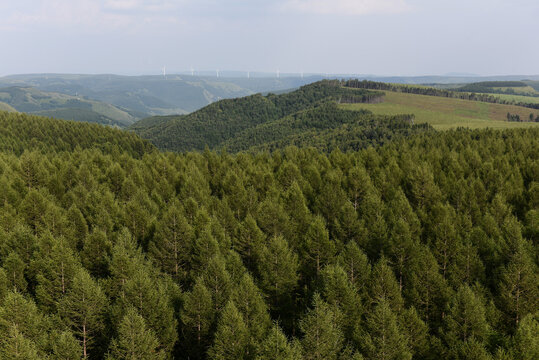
(424, 248)
(234, 122)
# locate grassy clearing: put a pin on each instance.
(445, 113)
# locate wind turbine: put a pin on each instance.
(192, 71)
(217, 72)
(164, 72)
(248, 74)
(278, 74)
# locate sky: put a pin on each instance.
(382, 37)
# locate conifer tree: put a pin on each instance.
(519, 287)
(318, 249)
(22, 314)
(54, 265)
(126, 258)
(466, 318)
(134, 340)
(416, 333)
(338, 291)
(249, 241)
(78, 227)
(14, 268)
(278, 267)
(34, 207)
(381, 338)
(428, 290)
(64, 346)
(204, 249)
(172, 242)
(276, 346)
(197, 317)
(153, 303)
(402, 250)
(295, 204)
(83, 310)
(356, 264)
(471, 349)
(250, 304)
(217, 280)
(322, 336)
(231, 340)
(384, 286)
(15, 346)
(526, 342)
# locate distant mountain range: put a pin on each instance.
(135, 96)
(123, 100)
(53, 104)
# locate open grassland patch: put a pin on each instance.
(445, 113)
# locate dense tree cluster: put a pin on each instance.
(326, 127)
(462, 93)
(423, 248)
(20, 132)
(226, 120)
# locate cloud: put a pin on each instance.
(89, 15)
(347, 7)
(142, 5)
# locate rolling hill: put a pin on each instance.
(33, 101)
(310, 116)
(302, 117)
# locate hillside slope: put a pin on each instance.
(221, 122)
(446, 112)
(34, 101)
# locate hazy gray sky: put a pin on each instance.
(385, 37)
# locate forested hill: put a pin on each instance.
(68, 107)
(22, 132)
(237, 122)
(423, 248)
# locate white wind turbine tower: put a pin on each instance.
(164, 72)
(192, 71)
(248, 74)
(217, 72)
(278, 74)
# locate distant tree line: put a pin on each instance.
(517, 118)
(497, 87)
(430, 91)
(361, 99)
